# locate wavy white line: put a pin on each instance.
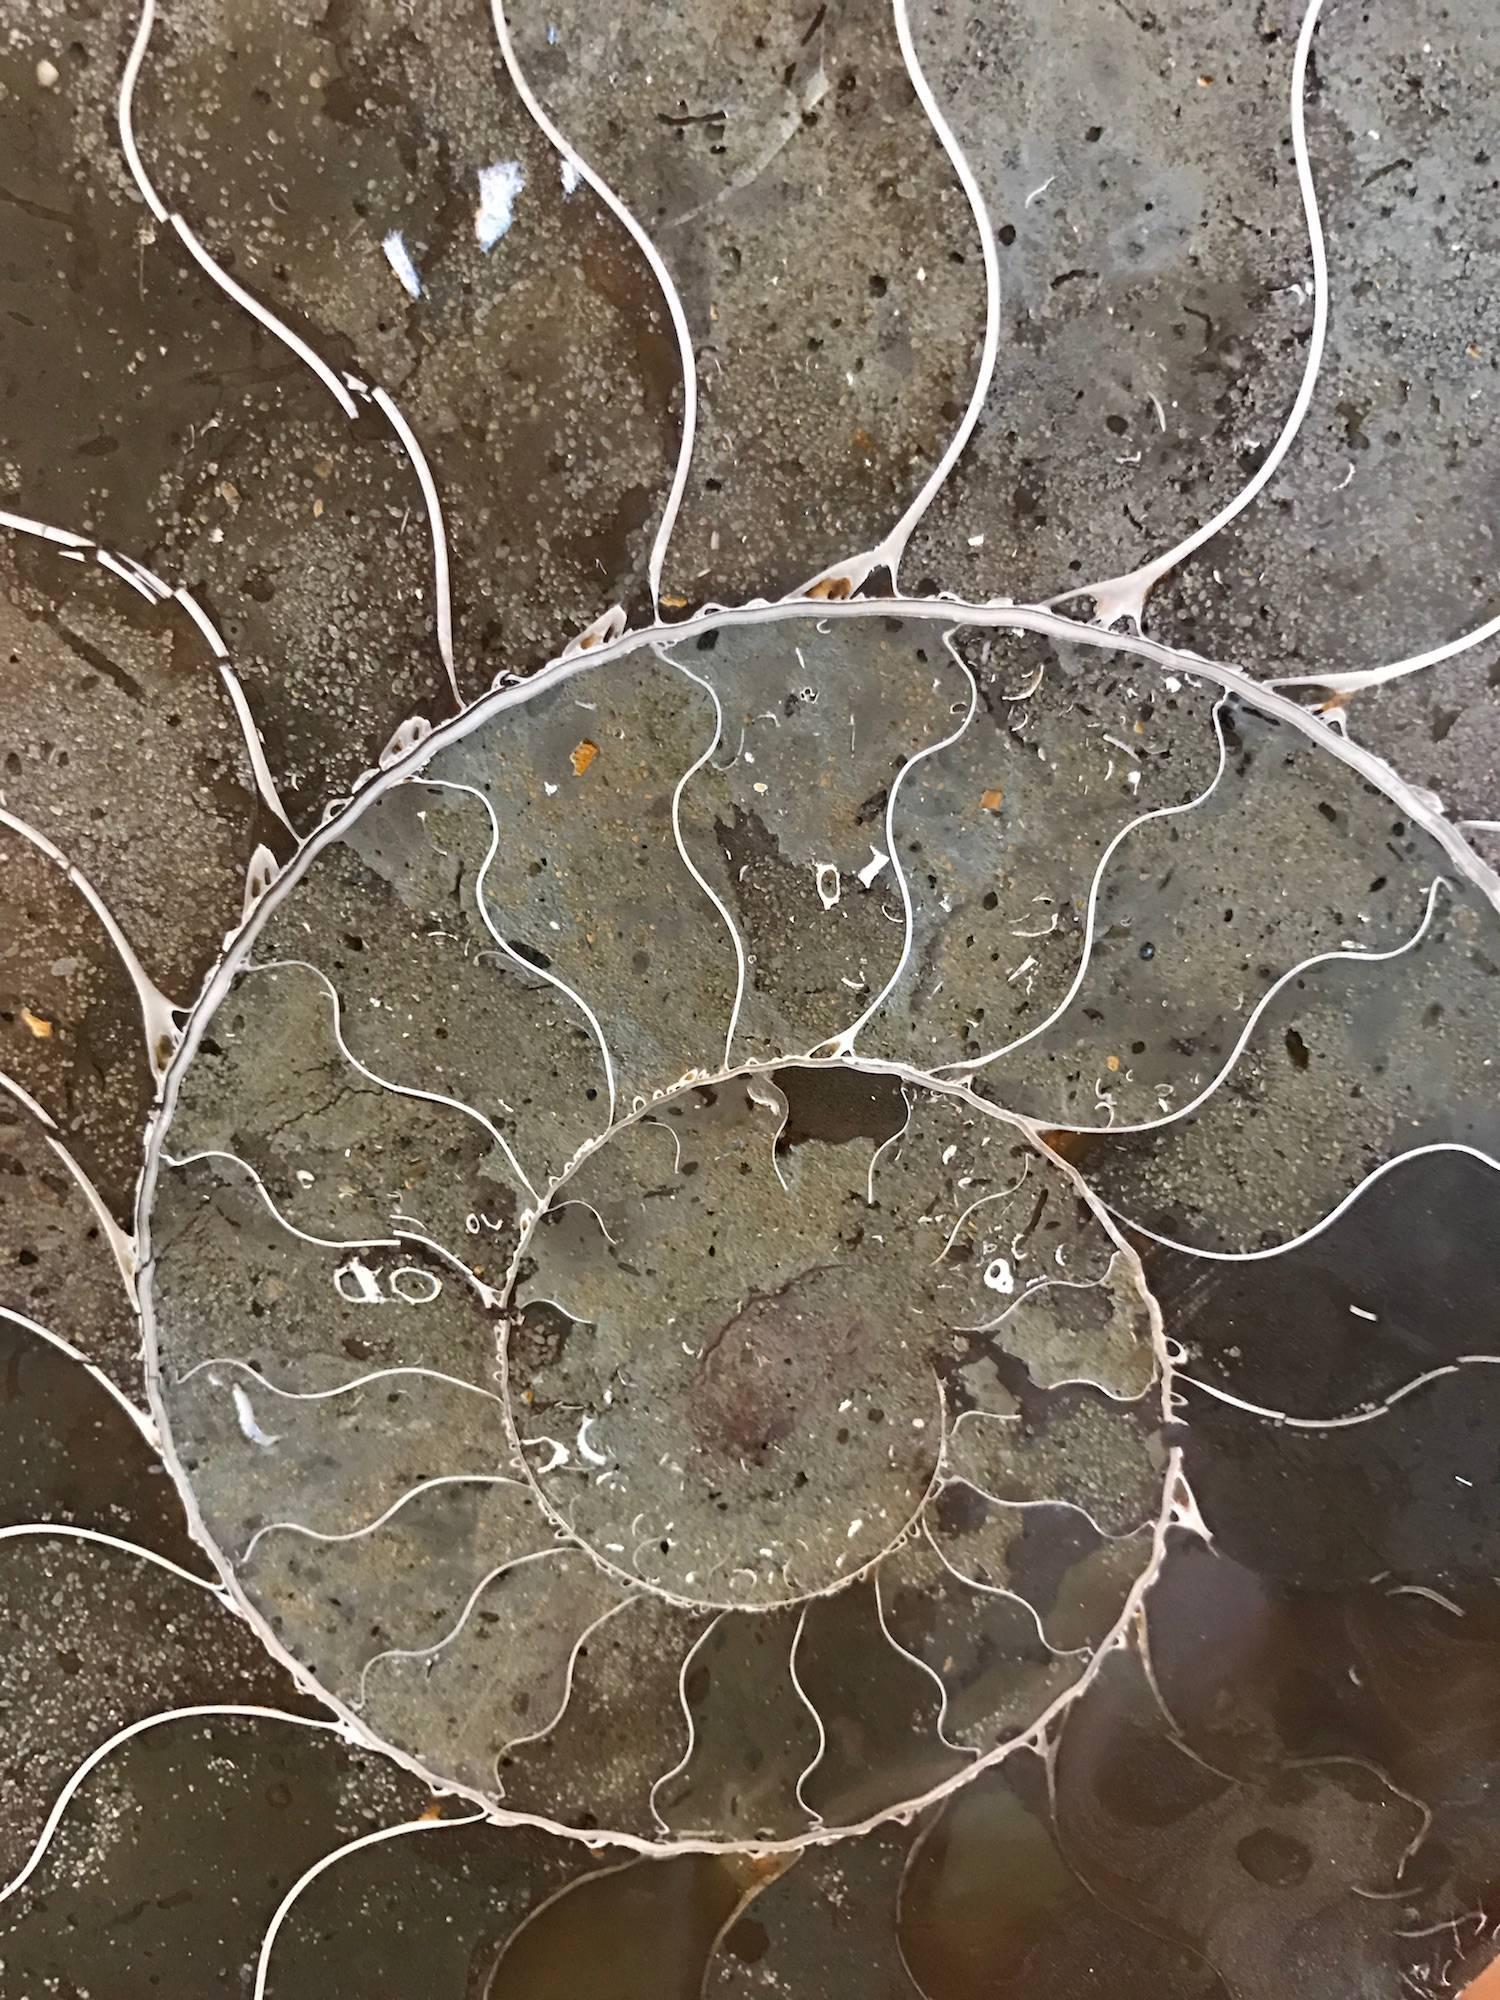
(151, 587)
(1072, 1506)
(961, 1749)
(440, 1645)
(338, 388)
(807, 1702)
(327, 1861)
(894, 1140)
(122, 1244)
(843, 1044)
(156, 1009)
(1125, 596)
(252, 305)
(659, 271)
(687, 1715)
(97, 1756)
(441, 584)
(342, 1388)
(969, 1064)
(1317, 1228)
(1349, 956)
(535, 1735)
(1000, 1194)
(1041, 1285)
(999, 1590)
(64, 1531)
(1364, 677)
(893, 547)
(1350, 1418)
(180, 1160)
(138, 1417)
(687, 860)
(384, 1082)
(370, 1527)
(545, 974)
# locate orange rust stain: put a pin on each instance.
(992, 800)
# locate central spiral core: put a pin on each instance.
(731, 1400)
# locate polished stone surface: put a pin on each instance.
(813, 1225)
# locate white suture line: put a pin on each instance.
(894, 1140)
(119, 569)
(158, 589)
(121, 1242)
(1317, 1228)
(1353, 957)
(138, 1417)
(687, 1715)
(370, 1527)
(336, 387)
(535, 1735)
(1141, 819)
(340, 1389)
(843, 1044)
(1348, 1419)
(577, 1201)
(267, 319)
(310, 1875)
(978, 1416)
(260, 770)
(265, 784)
(63, 537)
(1432, 1596)
(1141, 1637)
(1423, 1810)
(155, 591)
(893, 548)
(319, 1242)
(659, 271)
(52, 1530)
(1000, 1194)
(1073, 1507)
(1364, 677)
(534, 1298)
(383, 1082)
(442, 590)
(1041, 1285)
(440, 1645)
(687, 860)
(807, 1702)
(156, 1008)
(1125, 596)
(125, 111)
(546, 974)
(659, 1125)
(960, 1749)
(97, 1756)
(760, 1090)
(999, 1590)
